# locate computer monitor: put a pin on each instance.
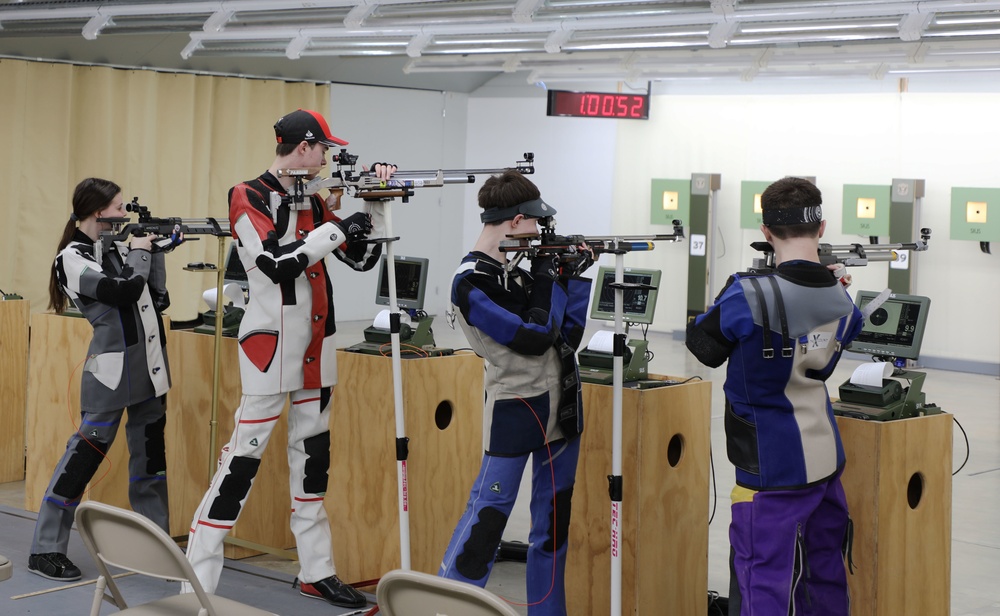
(235, 273)
(638, 305)
(411, 282)
(894, 329)
(234, 267)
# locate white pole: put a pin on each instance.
(616, 441)
(397, 396)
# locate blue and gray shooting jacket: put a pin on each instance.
(782, 334)
(527, 330)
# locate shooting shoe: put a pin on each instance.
(334, 591)
(54, 566)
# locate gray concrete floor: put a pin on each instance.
(973, 399)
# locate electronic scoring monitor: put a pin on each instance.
(638, 305)
(894, 329)
(411, 282)
(235, 272)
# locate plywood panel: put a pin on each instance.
(443, 402)
(58, 349)
(664, 522)
(14, 315)
(898, 486)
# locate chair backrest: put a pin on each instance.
(411, 593)
(128, 540)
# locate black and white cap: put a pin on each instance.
(536, 208)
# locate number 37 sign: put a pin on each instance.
(697, 245)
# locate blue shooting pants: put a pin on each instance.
(473, 547)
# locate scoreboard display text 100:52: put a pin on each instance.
(598, 105)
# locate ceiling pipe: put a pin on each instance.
(764, 13)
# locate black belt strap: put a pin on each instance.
(764, 317)
(786, 343)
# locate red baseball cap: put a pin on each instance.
(304, 125)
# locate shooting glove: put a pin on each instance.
(389, 167)
(169, 242)
(357, 226)
(545, 265)
(576, 264)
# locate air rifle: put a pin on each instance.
(169, 229)
(365, 184)
(846, 254)
(547, 242)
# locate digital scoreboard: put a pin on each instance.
(598, 105)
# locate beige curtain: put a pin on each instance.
(176, 141)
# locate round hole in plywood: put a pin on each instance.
(675, 450)
(915, 490)
(443, 414)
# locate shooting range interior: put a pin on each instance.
(887, 111)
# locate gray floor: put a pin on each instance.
(973, 399)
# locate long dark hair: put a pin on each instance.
(90, 196)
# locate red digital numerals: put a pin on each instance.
(612, 105)
(598, 105)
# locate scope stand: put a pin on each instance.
(615, 488)
(216, 330)
(402, 441)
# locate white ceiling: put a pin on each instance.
(461, 44)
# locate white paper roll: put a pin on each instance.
(602, 341)
(871, 374)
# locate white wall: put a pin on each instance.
(597, 172)
(414, 129)
(574, 158)
(866, 134)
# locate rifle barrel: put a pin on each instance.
(631, 238)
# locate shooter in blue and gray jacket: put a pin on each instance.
(783, 334)
(527, 326)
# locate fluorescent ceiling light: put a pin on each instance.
(481, 50)
(993, 32)
(910, 71)
(636, 45)
(821, 27)
(962, 21)
(833, 38)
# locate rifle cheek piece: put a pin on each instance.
(536, 208)
(792, 216)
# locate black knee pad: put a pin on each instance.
(563, 508)
(156, 448)
(317, 470)
(80, 468)
(480, 548)
(234, 488)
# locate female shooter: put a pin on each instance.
(122, 294)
